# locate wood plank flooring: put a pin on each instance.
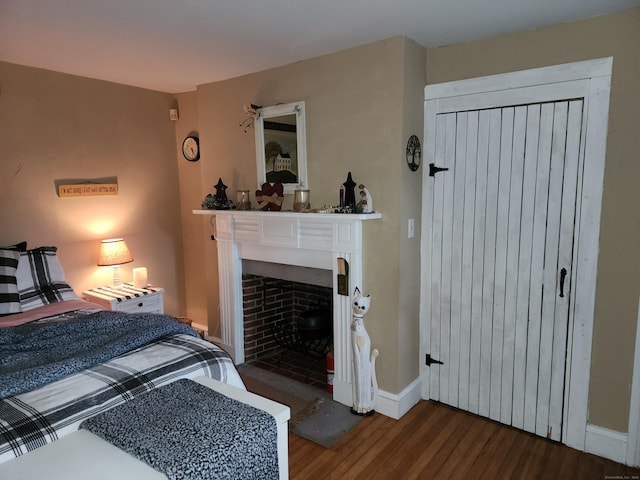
(435, 441)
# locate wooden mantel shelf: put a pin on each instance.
(329, 232)
(330, 217)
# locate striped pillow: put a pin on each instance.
(9, 297)
(41, 279)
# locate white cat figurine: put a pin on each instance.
(365, 384)
(366, 201)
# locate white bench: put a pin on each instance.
(82, 455)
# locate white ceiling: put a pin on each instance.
(175, 45)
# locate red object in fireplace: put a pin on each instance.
(330, 372)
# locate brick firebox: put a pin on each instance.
(269, 302)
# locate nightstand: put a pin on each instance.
(127, 298)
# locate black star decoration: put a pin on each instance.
(221, 194)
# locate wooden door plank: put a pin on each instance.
(500, 264)
(488, 281)
(430, 122)
(471, 150)
(478, 262)
(455, 380)
(537, 266)
(513, 251)
(550, 273)
(436, 258)
(447, 179)
(565, 254)
(524, 264)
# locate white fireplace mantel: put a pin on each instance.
(314, 240)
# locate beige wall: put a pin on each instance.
(190, 173)
(55, 126)
(356, 121)
(619, 261)
(410, 207)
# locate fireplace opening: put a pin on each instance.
(288, 324)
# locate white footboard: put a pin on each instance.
(280, 412)
(81, 455)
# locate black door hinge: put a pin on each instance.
(433, 169)
(429, 361)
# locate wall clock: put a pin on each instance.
(191, 148)
(414, 153)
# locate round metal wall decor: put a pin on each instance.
(414, 153)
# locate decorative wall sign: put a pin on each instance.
(66, 188)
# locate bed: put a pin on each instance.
(64, 361)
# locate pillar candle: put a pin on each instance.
(140, 277)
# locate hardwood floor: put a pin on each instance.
(434, 441)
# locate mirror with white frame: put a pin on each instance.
(281, 146)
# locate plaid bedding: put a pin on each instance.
(32, 419)
(38, 353)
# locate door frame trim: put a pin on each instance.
(633, 433)
(594, 78)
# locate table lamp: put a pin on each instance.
(114, 252)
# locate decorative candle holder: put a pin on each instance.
(243, 200)
(301, 200)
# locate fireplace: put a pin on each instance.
(315, 242)
(281, 315)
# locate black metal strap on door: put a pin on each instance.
(433, 169)
(430, 361)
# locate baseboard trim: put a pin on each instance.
(395, 405)
(606, 443)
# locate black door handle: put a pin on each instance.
(563, 274)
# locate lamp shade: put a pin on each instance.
(114, 251)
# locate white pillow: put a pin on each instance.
(41, 279)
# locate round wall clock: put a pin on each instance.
(191, 148)
(414, 153)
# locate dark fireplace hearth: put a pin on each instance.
(309, 333)
(282, 315)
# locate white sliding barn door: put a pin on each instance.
(500, 253)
